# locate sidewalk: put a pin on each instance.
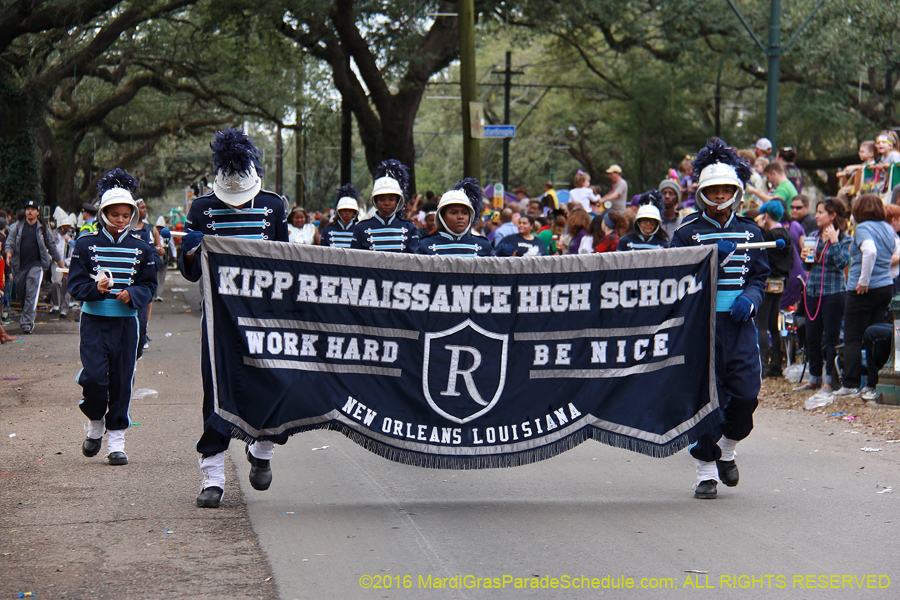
(75, 527)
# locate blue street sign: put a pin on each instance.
(499, 131)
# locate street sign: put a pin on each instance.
(476, 120)
(498, 196)
(499, 131)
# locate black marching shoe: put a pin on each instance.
(728, 472)
(706, 490)
(117, 458)
(90, 447)
(210, 497)
(260, 472)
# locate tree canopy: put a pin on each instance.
(86, 85)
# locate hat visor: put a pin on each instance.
(721, 181)
(238, 198)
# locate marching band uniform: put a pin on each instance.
(237, 207)
(109, 327)
(638, 241)
(339, 234)
(446, 242)
(742, 278)
(388, 232)
(386, 235)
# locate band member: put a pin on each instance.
(237, 207)
(339, 233)
(456, 212)
(113, 273)
(648, 233)
(387, 231)
(741, 283)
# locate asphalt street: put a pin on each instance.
(811, 518)
(338, 517)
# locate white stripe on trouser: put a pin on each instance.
(706, 471)
(95, 429)
(32, 286)
(58, 295)
(213, 468)
(728, 448)
(115, 441)
(37, 293)
(262, 450)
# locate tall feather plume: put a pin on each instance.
(117, 178)
(347, 191)
(717, 151)
(654, 198)
(395, 170)
(469, 186)
(234, 152)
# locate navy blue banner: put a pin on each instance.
(462, 363)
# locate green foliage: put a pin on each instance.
(19, 154)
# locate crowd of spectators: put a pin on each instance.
(838, 267)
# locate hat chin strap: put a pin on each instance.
(722, 206)
(440, 218)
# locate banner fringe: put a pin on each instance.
(491, 461)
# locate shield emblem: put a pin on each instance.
(464, 371)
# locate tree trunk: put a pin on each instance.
(19, 158)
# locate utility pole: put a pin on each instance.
(279, 161)
(299, 161)
(507, 87)
(773, 52)
(468, 88)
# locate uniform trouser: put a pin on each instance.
(108, 354)
(161, 278)
(28, 288)
(142, 330)
(878, 341)
(861, 311)
(212, 441)
(737, 383)
(58, 294)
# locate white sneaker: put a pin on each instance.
(868, 394)
(846, 392)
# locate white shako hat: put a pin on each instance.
(238, 168)
(391, 177)
(348, 198)
(717, 164)
(117, 187)
(466, 192)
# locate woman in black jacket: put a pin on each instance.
(780, 263)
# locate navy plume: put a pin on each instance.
(347, 191)
(234, 152)
(717, 151)
(117, 178)
(469, 186)
(397, 171)
(654, 198)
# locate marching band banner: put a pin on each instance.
(462, 363)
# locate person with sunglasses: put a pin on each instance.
(800, 213)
